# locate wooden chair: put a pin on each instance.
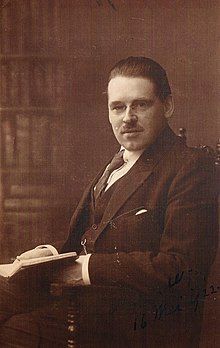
(213, 152)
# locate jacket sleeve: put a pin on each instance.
(188, 241)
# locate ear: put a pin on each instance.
(168, 106)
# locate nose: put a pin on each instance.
(129, 115)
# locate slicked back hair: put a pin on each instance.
(145, 68)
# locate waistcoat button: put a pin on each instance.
(94, 226)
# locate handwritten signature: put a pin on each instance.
(164, 309)
(196, 295)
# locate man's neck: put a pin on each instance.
(131, 155)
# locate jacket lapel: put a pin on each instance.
(79, 211)
(85, 200)
(127, 186)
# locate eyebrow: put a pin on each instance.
(117, 102)
(148, 100)
(114, 103)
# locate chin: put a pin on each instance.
(133, 146)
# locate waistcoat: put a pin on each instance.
(96, 211)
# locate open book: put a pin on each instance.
(9, 270)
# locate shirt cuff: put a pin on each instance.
(85, 269)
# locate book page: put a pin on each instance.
(8, 270)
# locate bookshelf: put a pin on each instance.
(33, 206)
(30, 118)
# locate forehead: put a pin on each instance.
(122, 88)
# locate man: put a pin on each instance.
(146, 226)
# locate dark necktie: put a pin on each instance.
(116, 163)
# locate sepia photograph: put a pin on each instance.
(109, 174)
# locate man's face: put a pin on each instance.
(136, 114)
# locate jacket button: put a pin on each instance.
(94, 226)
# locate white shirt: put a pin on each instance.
(130, 157)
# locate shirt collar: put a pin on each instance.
(131, 156)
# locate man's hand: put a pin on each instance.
(34, 253)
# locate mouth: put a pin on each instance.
(131, 134)
(129, 131)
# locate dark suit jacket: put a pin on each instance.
(163, 256)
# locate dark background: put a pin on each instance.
(55, 57)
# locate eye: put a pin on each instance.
(119, 107)
(141, 105)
